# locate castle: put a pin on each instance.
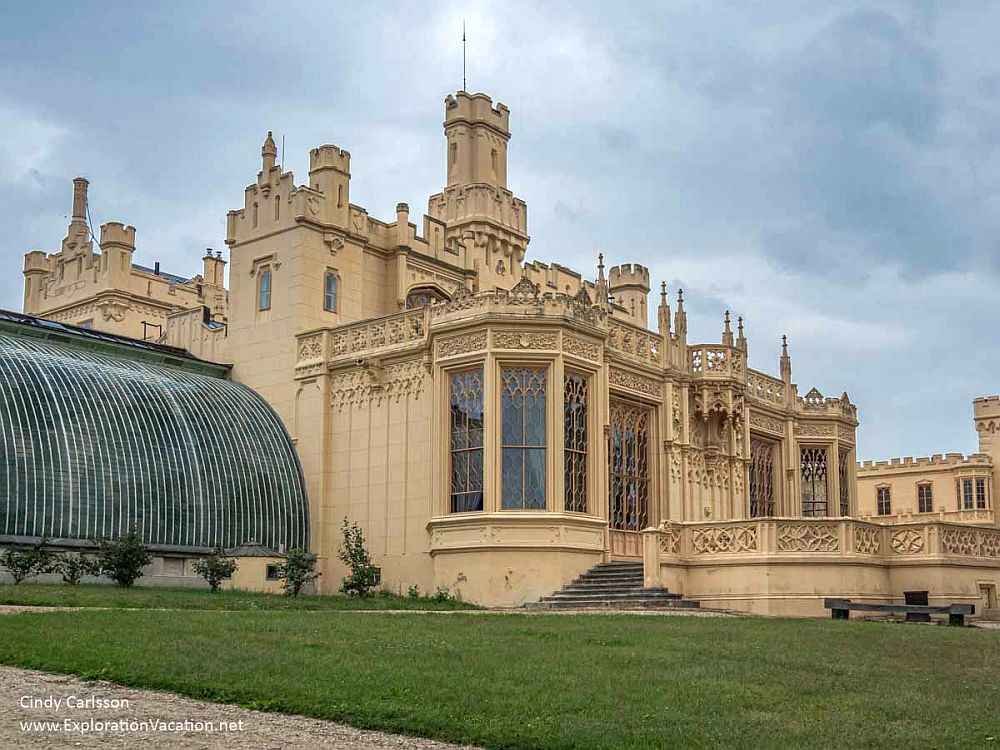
(498, 426)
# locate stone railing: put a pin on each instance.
(766, 388)
(377, 336)
(834, 537)
(635, 342)
(716, 361)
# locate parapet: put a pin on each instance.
(476, 108)
(36, 260)
(986, 407)
(628, 274)
(116, 233)
(939, 461)
(329, 157)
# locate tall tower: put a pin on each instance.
(478, 210)
(986, 414)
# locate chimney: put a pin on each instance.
(156, 268)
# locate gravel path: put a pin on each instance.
(260, 731)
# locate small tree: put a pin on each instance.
(123, 559)
(74, 567)
(364, 575)
(298, 569)
(215, 568)
(35, 561)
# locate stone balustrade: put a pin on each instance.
(710, 361)
(635, 343)
(766, 388)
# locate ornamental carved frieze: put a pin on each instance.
(634, 382)
(767, 422)
(845, 433)
(811, 429)
(670, 538)
(906, 542)
(867, 540)
(311, 348)
(720, 540)
(470, 342)
(808, 537)
(376, 385)
(580, 348)
(524, 340)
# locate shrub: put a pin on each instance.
(413, 592)
(123, 559)
(443, 594)
(35, 561)
(215, 568)
(298, 569)
(364, 576)
(74, 567)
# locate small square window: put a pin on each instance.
(271, 572)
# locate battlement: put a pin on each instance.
(475, 109)
(36, 260)
(116, 233)
(986, 407)
(628, 274)
(329, 156)
(941, 460)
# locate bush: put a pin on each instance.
(298, 569)
(123, 559)
(215, 568)
(74, 567)
(443, 594)
(364, 575)
(36, 561)
(413, 592)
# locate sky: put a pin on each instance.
(829, 171)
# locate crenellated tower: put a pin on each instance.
(628, 285)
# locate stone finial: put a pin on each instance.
(727, 331)
(786, 361)
(663, 293)
(741, 339)
(268, 153)
(601, 287)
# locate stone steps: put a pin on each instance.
(613, 585)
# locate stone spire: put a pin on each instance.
(601, 287)
(663, 313)
(268, 153)
(741, 339)
(681, 319)
(727, 331)
(786, 361)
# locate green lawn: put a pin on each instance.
(552, 681)
(157, 597)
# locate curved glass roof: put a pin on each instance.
(94, 441)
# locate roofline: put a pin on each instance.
(145, 351)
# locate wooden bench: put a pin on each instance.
(841, 609)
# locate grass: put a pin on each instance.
(162, 597)
(547, 681)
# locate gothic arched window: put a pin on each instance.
(629, 466)
(761, 477)
(814, 487)
(523, 438)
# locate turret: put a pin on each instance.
(214, 268)
(330, 173)
(628, 284)
(477, 134)
(117, 247)
(402, 225)
(37, 267)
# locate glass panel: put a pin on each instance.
(925, 500)
(523, 436)
(575, 434)
(843, 475)
(466, 402)
(883, 501)
(629, 466)
(980, 493)
(814, 488)
(264, 293)
(967, 494)
(330, 293)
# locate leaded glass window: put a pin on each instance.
(843, 474)
(761, 477)
(629, 466)
(575, 428)
(967, 494)
(814, 487)
(925, 498)
(466, 402)
(980, 493)
(523, 439)
(883, 501)
(264, 290)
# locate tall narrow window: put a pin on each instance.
(629, 467)
(255, 214)
(925, 498)
(814, 489)
(277, 207)
(264, 289)
(967, 494)
(883, 501)
(330, 292)
(575, 426)
(980, 493)
(523, 451)
(466, 401)
(843, 474)
(761, 477)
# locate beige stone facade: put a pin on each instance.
(95, 284)
(497, 426)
